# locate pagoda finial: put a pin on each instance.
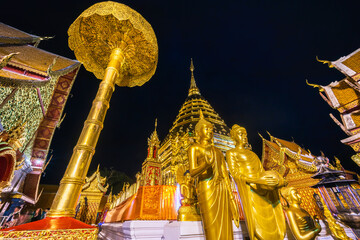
(193, 88)
(201, 115)
(155, 123)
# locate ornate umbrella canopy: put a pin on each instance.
(109, 25)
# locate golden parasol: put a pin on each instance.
(118, 46)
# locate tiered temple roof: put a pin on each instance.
(34, 87)
(295, 164)
(344, 96)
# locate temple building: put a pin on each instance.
(314, 178)
(91, 195)
(344, 96)
(34, 87)
(295, 164)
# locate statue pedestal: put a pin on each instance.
(142, 230)
(192, 230)
(173, 230)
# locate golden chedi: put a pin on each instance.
(258, 190)
(302, 225)
(216, 202)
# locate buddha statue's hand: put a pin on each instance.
(271, 181)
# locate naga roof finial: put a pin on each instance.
(321, 89)
(329, 63)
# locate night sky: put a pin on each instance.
(251, 60)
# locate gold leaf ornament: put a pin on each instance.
(109, 25)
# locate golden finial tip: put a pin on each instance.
(192, 65)
(155, 123)
(201, 114)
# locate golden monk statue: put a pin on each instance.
(258, 190)
(302, 225)
(188, 210)
(216, 202)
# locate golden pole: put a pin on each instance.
(70, 186)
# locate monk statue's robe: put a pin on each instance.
(258, 190)
(302, 225)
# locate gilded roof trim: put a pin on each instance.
(339, 64)
(64, 71)
(19, 41)
(13, 82)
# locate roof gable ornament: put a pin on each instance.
(95, 183)
(154, 138)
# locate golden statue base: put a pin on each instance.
(51, 228)
(188, 213)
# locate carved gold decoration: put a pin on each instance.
(93, 190)
(4, 61)
(109, 25)
(356, 159)
(149, 203)
(28, 109)
(119, 46)
(65, 234)
(302, 225)
(258, 189)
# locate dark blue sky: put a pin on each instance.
(251, 61)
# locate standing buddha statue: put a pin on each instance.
(216, 202)
(258, 190)
(302, 225)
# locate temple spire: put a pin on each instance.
(193, 88)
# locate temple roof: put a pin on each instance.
(291, 148)
(189, 113)
(95, 183)
(34, 87)
(29, 67)
(352, 119)
(349, 65)
(10, 35)
(342, 96)
(32, 66)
